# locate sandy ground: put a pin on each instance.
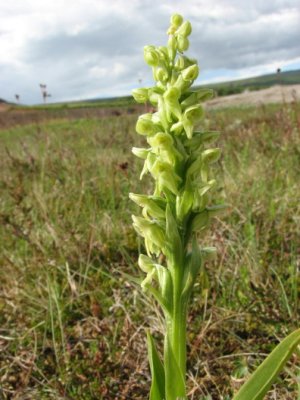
(275, 94)
(3, 107)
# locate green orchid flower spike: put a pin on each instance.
(180, 208)
(180, 160)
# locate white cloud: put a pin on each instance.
(94, 47)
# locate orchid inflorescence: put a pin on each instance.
(181, 208)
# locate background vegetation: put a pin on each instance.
(221, 89)
(257, 83)
(72, 322)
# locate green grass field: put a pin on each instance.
(72, 324)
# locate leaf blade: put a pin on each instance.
(175, 385)
(263, 377)
(157, 391)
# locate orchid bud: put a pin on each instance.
(151, 160)
(164, 54)
(185, 29)
(160, 74)
(154, 94)
(201, 195)
(177, 128)
(145, 125)
(183, 62)
(211, 156)
(151, 56)
(166, 177)
(183, 43)
(150, 230)
(191, 115)
(140, 152)
(200, 221)
(171, 97)
(151, 248)
(140, 95)
(180, 63)
(163, 145)
(156, 120)
(181, 84)
(172, 47)
(145, 263)
(176, 20)
(170, 181)
(191, 73)
(172, 29)
(153, 206)
(161, 139)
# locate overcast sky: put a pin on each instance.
(94, 48)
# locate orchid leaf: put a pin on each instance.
(261, 380)
(157, 391)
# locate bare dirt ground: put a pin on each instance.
(274, 94)
(11, 116)
(3, 107)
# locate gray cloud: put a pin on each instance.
(245, 45)
(104, 58)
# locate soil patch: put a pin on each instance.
(274, 94)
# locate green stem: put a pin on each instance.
(178, 341)
(175, 339)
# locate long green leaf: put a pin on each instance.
(157, 391)
(175, 385)
(261, 380)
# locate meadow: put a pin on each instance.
(72, 320)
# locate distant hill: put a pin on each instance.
(224, 88)
(221, 89)
(256, 83)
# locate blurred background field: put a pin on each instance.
(72, 324)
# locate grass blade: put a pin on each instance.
(261, 380)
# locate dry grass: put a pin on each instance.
(72, 322)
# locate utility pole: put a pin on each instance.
(45, 94)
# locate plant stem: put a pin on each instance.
(175, 339)
(179, 338)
